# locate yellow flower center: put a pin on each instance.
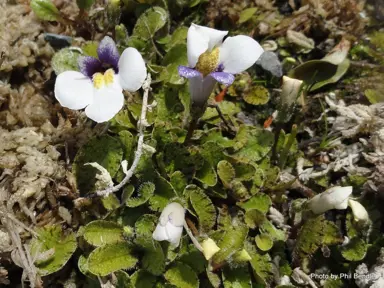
(100, 80)
(208, 62)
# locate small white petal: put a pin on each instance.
(173, 212)
(358, 210)
(201, 39)
(238, 53)
(174, 233)
(201, 88)
(107, 102)
(333, 198)
(73, 90)
(160, 233)
(132, 70)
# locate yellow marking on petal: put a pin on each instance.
(208, 62)
(98, 80)
(109, 76)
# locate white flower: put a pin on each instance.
(98, 87)
(210, 248)
(359, 212)
(211, 60)
(333, 198)
(170, 225)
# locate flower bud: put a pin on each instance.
(360, 214)
(333, 198)
(170, 225)
(209, 248)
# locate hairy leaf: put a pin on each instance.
(101, 232)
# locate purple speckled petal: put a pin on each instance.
(89, 65)
(223, 77)
(108, 53)
(187, 72)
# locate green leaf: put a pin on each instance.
(128, 141)
(62, 244)
(90, 48)
(123, 280)
(257, 95)
(85, 4)
(164, 192)
(143, 194)
(193, 258)
(45, 10)
(102, 232)
(319, 72)
(144, 227)
(207, 175)
(151, 21)
(254, 218)
(259, 201)
(65, 60)
(247, 14)
(142, 279)
(178, 36)
(264, 242)
(176, 56)
(276, 234)
(204, 208)
(110, 258)
(231, 242)
(236, 278)
(106, 151)
(262, 266)
(154, 259)
(314, 233)
(226, 172)
(252, 143)
(111, 202)
(374, 96)
(182, 276)
(355, 250)
(179, 182)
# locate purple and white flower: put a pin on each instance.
(99, 85)
(211, 60)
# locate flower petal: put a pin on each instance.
(89, 65)
(201, 39)
(187, 72)
(160, 233)
(107, 102)
(239, 53)
(200, 89)
(174, 233)
(132, 70)
(108, 53)
(223, 77)
(333, 198)
(73, 90)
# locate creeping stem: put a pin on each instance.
(141, 125)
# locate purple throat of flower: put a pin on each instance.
(108, 57)
(220, 76)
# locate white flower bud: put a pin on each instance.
(333, 198)
(359, 212)
(209, 248)
(170, 225)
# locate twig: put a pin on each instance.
(141, 125)
(194, 240)
(227, 123)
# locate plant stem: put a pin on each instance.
(287, 147)
(139, 151)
